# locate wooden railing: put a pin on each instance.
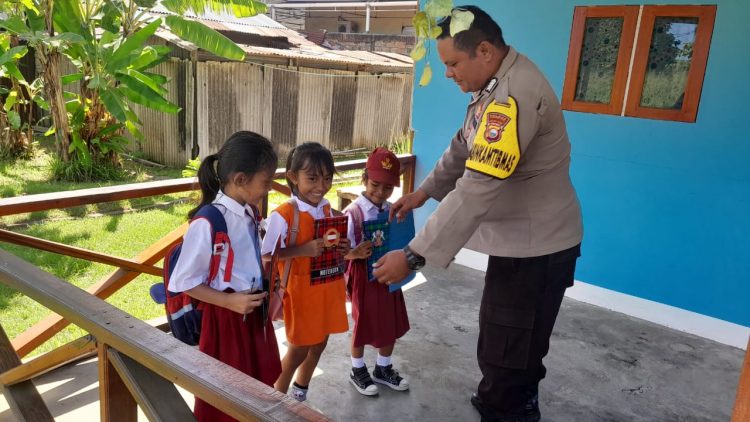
(130, 351)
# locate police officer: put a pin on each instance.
(504, 190)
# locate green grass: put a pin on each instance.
(120, 235)
(28, 177)
(107, 228)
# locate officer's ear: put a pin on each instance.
(485, 50)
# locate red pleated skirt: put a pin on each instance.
(240, 344)
(379, 316)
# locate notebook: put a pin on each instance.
(329, 265)
(386, 237)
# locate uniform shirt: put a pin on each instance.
(192, 266)
(276, 225)
(370, 212)
(535, 210)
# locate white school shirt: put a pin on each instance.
(370, 211)
(192, 265)
(276, 225)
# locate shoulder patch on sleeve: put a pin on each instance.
(495, 150)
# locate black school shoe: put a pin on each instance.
(529, 413)
(360, 379)
(386, 375)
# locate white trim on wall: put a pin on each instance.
(715, 329)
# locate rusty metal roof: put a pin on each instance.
(300, 48)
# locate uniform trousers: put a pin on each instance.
(520, 302)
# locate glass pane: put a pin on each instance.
(596, 71)
(669, 59)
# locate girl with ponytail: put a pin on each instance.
(233, 331)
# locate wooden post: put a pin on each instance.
(409, 173)
(158, 398)
(75, 350)
(742, 403)
(23, 398)
(115, 402)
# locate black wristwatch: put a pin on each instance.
(413, 260)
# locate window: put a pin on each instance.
(639, 61)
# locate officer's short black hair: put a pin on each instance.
(483, 28)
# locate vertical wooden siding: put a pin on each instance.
(168, 138)
(339, 109)
(289, 105)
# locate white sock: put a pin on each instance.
(358, 362)
(384, 360)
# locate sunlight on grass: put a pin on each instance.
(122, 235)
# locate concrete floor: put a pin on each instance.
(602, 366)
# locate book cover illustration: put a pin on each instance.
(386, 237)
(329, 265)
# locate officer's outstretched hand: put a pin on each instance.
(391, 268)
(407, 203)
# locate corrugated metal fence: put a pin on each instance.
(339, 109)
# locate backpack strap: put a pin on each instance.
(220, 241)
(291, 239)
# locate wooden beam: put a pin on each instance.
(76, 350)
(404, 159)
(116, 404)
(222, 386)
(742, 402)
(72, 251)
(278, 187)
(55, 200)
(23, 398)
(42, 331)
(157, 397)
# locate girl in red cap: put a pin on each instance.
(379, 316)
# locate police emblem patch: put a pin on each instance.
(495, 150)
(496, 123)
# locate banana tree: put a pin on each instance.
(106, 40)
(31, 21)
(16, 132)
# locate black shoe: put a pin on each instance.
(530, 412)
(386, 375)
(360, 379)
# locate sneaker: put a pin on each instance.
(297, 393)
(388, 376)
(360, 379)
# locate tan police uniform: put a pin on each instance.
(504, 190)
(533, 211)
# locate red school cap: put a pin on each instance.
(383, 167)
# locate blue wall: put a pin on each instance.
(666, 205)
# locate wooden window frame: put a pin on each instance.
(631, 67)
(693, 86)
(630, 20)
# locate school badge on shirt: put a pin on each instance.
(495, 151)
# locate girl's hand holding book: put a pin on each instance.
(344, 247)
(313, 248)
(362, 251)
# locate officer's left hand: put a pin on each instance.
(391, 268)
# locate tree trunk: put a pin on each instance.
(53, 86)
(54, 91)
